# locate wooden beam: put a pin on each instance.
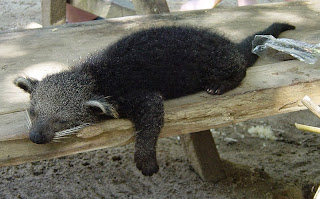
(189, 114)
(53, 12)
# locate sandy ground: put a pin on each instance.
(287, 167)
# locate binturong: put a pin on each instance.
(132, 77)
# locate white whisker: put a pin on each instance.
(28, 119)
(59, 138)
(58, 141)
(65, 133)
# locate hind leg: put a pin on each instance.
(145, 110)
(218, 87)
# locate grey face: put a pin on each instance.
(60, 102)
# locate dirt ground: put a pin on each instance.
(287, 167)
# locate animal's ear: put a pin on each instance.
(102, 107)
(27, 84)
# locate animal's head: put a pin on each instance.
(61, 104)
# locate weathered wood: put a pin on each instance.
(144, 7)
(203, 155)
(53, 12)
(189, 114)
(105, 9)
(267, 90)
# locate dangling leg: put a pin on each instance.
(145, 110)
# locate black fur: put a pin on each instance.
(141, 70)
(167, 62)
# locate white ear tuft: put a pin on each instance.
(105, 107)
(27, 84)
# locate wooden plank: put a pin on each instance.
(189, 114)
(144, 7)
(203, 155)
(267, 90)
(53, 12)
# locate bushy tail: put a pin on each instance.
(246, 45)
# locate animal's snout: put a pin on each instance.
(40, 131)
(38, 138)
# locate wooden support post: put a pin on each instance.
(144, 7)
(53, 12)
(203, 155)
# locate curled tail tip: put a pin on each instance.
(285, 26)
(289, 27)
(292, 27)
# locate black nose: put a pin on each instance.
(37, 138)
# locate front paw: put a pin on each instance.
(147, 165)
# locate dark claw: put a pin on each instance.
(216, 90)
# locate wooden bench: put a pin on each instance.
(269, 88)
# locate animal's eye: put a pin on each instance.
(60, 121)
(32, 112)
(63, 121)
